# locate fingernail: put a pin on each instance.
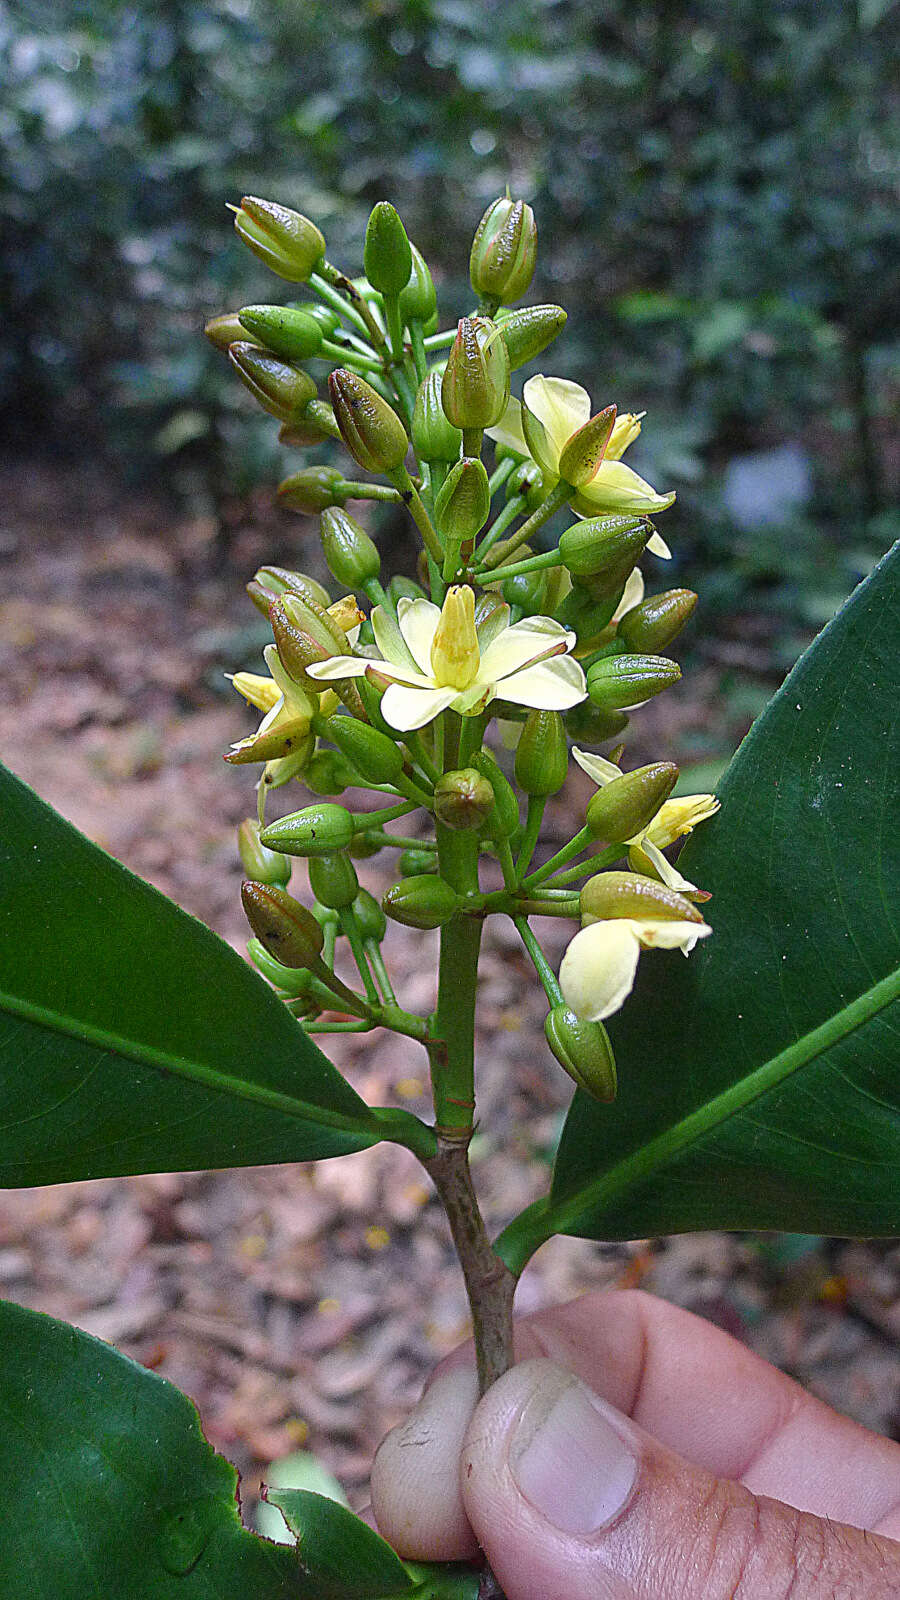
(568, 1460)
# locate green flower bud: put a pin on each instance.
(600, 545)
(504, 250)
(349, 551)
(328, 773)
(400, 586)
(288, 739)
(629, 894)
(589, 725)
(503, 819)
(542, 754)
(333, 880)
(475, 385)
(375, 756)
(527, 590)
(285, 240)
(387, 256)
(527, 480)
(423, 902)
(463, 503)
(315, 620)
(619, 682)
(317, 830)
(282, 390)
(261, 865)
(417, 863)
(418, 301)
(583, 452)
(328, 320)
(626, 805)
(312, 489)
(293, 335)
(369, 916)
(529, 330)
(583, 1051)
(433, 437)
(371, 430)
(291, 980)
(658, 620)
(226, 330)
(316, 424)
(463, 799)
(282, 925)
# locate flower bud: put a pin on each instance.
(369, 916)
(624, 806)
(400, 587)
(333, 880)
(328, 773)
(317, 830)
(475, 385)
(654, 623)
(371, 430)
(387, 255)
(312, 489)
(282, 925)
(328, 320)
(291, 980)
(350, 553)
(503, 818)
(433, 437)
(628, 894)
(421, 902)
(418, 300)
(286, 739)
(292, 334)
(504, 250)
(317, 621)
(600, 545)
(528, 331)
(583, 1051)
(527, 479)
(316, 424)
(374, 756)
(226, 330)
(542, 754)
(270, 583)
(590, 725)
(261, 865)
(417, 863)
(463, 799)
(618, 682)
(463, 503)
(285, 240)
(583, 452)
(282, 390)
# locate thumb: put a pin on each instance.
(567, 1497)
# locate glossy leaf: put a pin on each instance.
(131, 1038)
(342, 1556)
(759, 1081)
(111, 1492)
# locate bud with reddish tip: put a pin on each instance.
(288, 243)
(475, 385)
(370, 428)
(270, 583)
(282, 390)
(583, 452)
(583, 1051)
(282, 925)
(504, 251)
(463, 799)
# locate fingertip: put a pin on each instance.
(416, 1495)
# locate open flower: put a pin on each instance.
(598, 969)
(434, 657)
(284, 739)
(674, 819)
(552, 412)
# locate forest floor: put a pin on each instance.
(303, 1306)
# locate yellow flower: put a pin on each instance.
(673, 820)
(598, 969)
(435, 657)
(284, 738)
(552, 411)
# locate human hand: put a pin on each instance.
(729, 1480)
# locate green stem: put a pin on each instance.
(415, 744)
(370, 491)
(594, 863)
(554, 502)
(337, 302)
(417, 343)
(574, 847)
(533, 818)
(548, 908)
(539, 961)
(349, 357)
(548, 558)
(350, 926)
(527, 1232)
(377, 819)
(513, 508)
(440, 341)
(472, 438)
(379, 970)
(500, 474)
(312, 1026)
(400, 841)
(507, 865)
(453, 1072)
(419, 514)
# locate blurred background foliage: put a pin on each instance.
(716, 189)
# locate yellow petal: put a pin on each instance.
(598, 969)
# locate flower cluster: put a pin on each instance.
(397, 685)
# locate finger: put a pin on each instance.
(568, 1496)
(415, 1487)
(705, 1395)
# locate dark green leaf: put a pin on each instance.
(110, 1490)
(131, 1038)
(760, 1080)
(343, 1557)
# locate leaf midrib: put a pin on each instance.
(564, 1216)
(184, 1067)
